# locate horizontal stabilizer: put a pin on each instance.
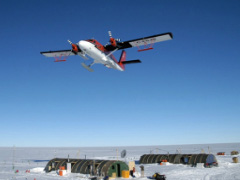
(131, 61)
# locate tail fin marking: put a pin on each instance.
(122, 59)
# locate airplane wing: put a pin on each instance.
(141, 41)
(58, 53)
(62, 54)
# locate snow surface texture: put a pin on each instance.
(14, 159)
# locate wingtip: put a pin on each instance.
(171, 35)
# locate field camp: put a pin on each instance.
(122, 162)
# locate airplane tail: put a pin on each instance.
(122, 60)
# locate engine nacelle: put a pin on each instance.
(113, 42)
(74, 48)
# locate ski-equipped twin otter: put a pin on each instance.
(104, 54)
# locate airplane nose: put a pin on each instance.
(82, 45)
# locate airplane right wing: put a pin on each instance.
(141, 41)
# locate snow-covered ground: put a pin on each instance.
(14, 159)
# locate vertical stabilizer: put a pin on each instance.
(122, 59)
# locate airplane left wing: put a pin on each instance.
(58, 53)
(141, 41)
(60, 56)
(63, 54)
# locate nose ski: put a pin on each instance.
(87, 67)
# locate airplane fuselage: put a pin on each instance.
(97, 52)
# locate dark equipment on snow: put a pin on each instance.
(158, 176)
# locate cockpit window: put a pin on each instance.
(91, 40)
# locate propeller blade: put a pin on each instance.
(110, 33)
(70, 42)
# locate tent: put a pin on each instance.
(191, 159)
(89, 166)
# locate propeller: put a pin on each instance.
(112, 40)
(75, 48)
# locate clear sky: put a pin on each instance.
(185, 91)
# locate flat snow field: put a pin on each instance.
(15, 162)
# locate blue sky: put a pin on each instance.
(185, 91)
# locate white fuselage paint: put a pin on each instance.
(98, 56)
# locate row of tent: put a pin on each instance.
(190, 159)
(108, 167)
(89, 166)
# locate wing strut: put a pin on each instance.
(147, 46)
(60, 58)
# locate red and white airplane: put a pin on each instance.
(104, 54)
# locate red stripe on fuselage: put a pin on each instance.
(99, 46)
